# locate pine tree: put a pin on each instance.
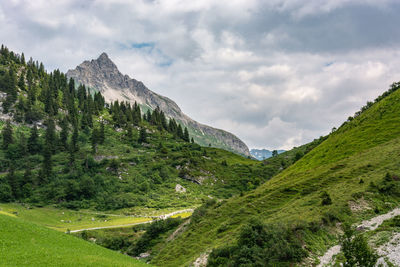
(186, 135)
(179, 132)
(7, 134)
(129, 133)
(101, 133)
(21, 81)
(50, 136)
(13, 181)
(95, 139)
(22, 59)
(142, 136)
(47, 164)
(33, 141)
(74, 140)
(64, 133)
(22, 144)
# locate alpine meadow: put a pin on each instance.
(203, 133)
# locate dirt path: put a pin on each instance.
(162, 217)
(367, 225)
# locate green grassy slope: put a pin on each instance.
(365, 148)
(26, 244)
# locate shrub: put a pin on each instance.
(356, 250)
(151, 236)
(261, 245)
(326, 199)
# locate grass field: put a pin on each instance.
(63, 219)
(27, 244)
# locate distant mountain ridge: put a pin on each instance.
(262, 154)
(103, 75)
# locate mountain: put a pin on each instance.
(85, 154)
(103, 75)
(352, 175)
(262, 154)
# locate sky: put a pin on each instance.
(276, 73)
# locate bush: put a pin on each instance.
(356, 250)
(326, 199)
(261, 245)
(151, 236)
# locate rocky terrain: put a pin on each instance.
(103, 75)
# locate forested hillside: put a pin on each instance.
(63, 145)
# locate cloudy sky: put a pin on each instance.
(276, 73)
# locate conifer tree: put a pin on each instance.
(64, 133)
(179, 132)
(186, 135)
(142, 136)
(47, 164)
(7, 134)
(12, 181)
(101, 133)
(33, 141)
(74, 140)
(129, 133)
(50, 136)
(22, 144)
(95, 139)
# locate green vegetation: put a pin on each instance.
(261, 245)
(26, 244)
(134, 240)
(356, 249)
(361, 149)
(64, 145)
(64, 219)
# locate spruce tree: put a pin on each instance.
(186, 135)
(101, 133)
(142, 136)
(74, 140)
(129, 133)
(64, 134)
(33, 141)
(13, 181)
(22, 144)
(50, 136)
(47, 164)
(95, 139)
(179, 132)
(7, 134)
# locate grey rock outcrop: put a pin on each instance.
(103, 75)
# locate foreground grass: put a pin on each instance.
(26, 244)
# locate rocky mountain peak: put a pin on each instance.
(102, 74)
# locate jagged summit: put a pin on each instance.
(103, 75)
(103, 56)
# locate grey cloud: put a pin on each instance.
(276, 73)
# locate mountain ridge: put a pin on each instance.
(102, 75)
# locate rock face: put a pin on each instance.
(103, 75)
(180, 189)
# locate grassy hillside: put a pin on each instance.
(26, 244)
(350, 165)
